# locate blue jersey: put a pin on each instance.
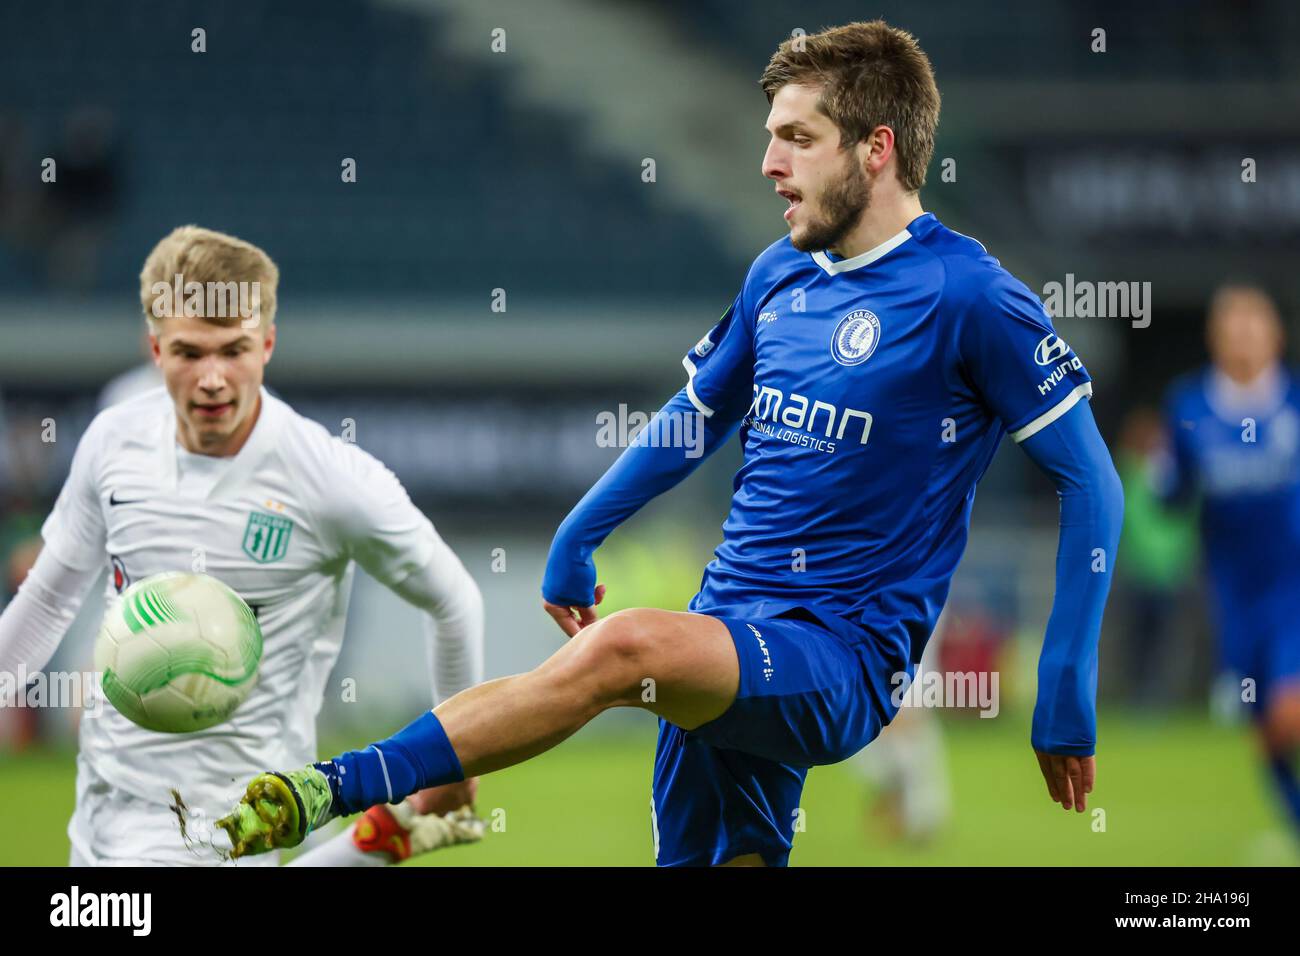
(873, 393)
(1241, 455)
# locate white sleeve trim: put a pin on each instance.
(1053, 413)
(690, 389)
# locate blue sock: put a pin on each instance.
(417, 756)
(1284, 776)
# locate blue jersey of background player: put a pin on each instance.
(873, 360)
(1234, 431)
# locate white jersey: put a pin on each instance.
(282, 523)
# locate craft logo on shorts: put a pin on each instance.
(762, 646)
(266, 539)
(856, 337)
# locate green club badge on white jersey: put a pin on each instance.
(266, 539)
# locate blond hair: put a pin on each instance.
(871, 75)
(217, 262)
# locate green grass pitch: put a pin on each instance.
(1175, 791)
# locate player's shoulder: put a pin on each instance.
(1186, 391)
(132, 419)
(309, 442)
(971, 273)
(776, 262)
(325, 461)
(979, 297)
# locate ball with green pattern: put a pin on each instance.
(178, 653)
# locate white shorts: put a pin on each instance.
(110, 827)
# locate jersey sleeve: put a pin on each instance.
(374, 519)
(75, 531)
(1025, 373)
(720, 368)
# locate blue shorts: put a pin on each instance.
(1260, 639)
(731, 787)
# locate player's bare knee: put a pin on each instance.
(617, 656)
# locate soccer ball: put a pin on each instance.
(178, 652)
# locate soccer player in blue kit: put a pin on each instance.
(872, 363)
(1235, 439)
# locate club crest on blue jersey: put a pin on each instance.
(856, 337)
(266, 539)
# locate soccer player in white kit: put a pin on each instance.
(212, 473)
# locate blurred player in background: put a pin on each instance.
(1234, 431)
(906, 767)
(873, 361)
(212, 473)
(1160, 554)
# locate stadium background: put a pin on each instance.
(520, 175)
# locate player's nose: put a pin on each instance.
(211, 379)
(775, 161)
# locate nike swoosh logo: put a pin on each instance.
(114, 500)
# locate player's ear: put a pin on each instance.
(877, 149)
(268, 343)
(155, 347)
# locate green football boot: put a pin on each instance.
(277, 811)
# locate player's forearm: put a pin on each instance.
(1074, 455)
(453, 621)
(456, 647)
(45, 606)
(670, 447)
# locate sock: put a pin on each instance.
(1284, 776)
(340, 850)
(417, 756)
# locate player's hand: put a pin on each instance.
(1069, 779)
(446, 798)
(573, 619)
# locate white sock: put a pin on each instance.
(927, 794)
(340, 851)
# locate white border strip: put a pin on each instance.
(863, 259)
(383, 765)
(1053, 413)
(690, 389)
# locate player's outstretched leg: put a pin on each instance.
(389, 834)
(1281, 737)
(681, 666)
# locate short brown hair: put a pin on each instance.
(1229, 293)
(207, 256)
(872, 75)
